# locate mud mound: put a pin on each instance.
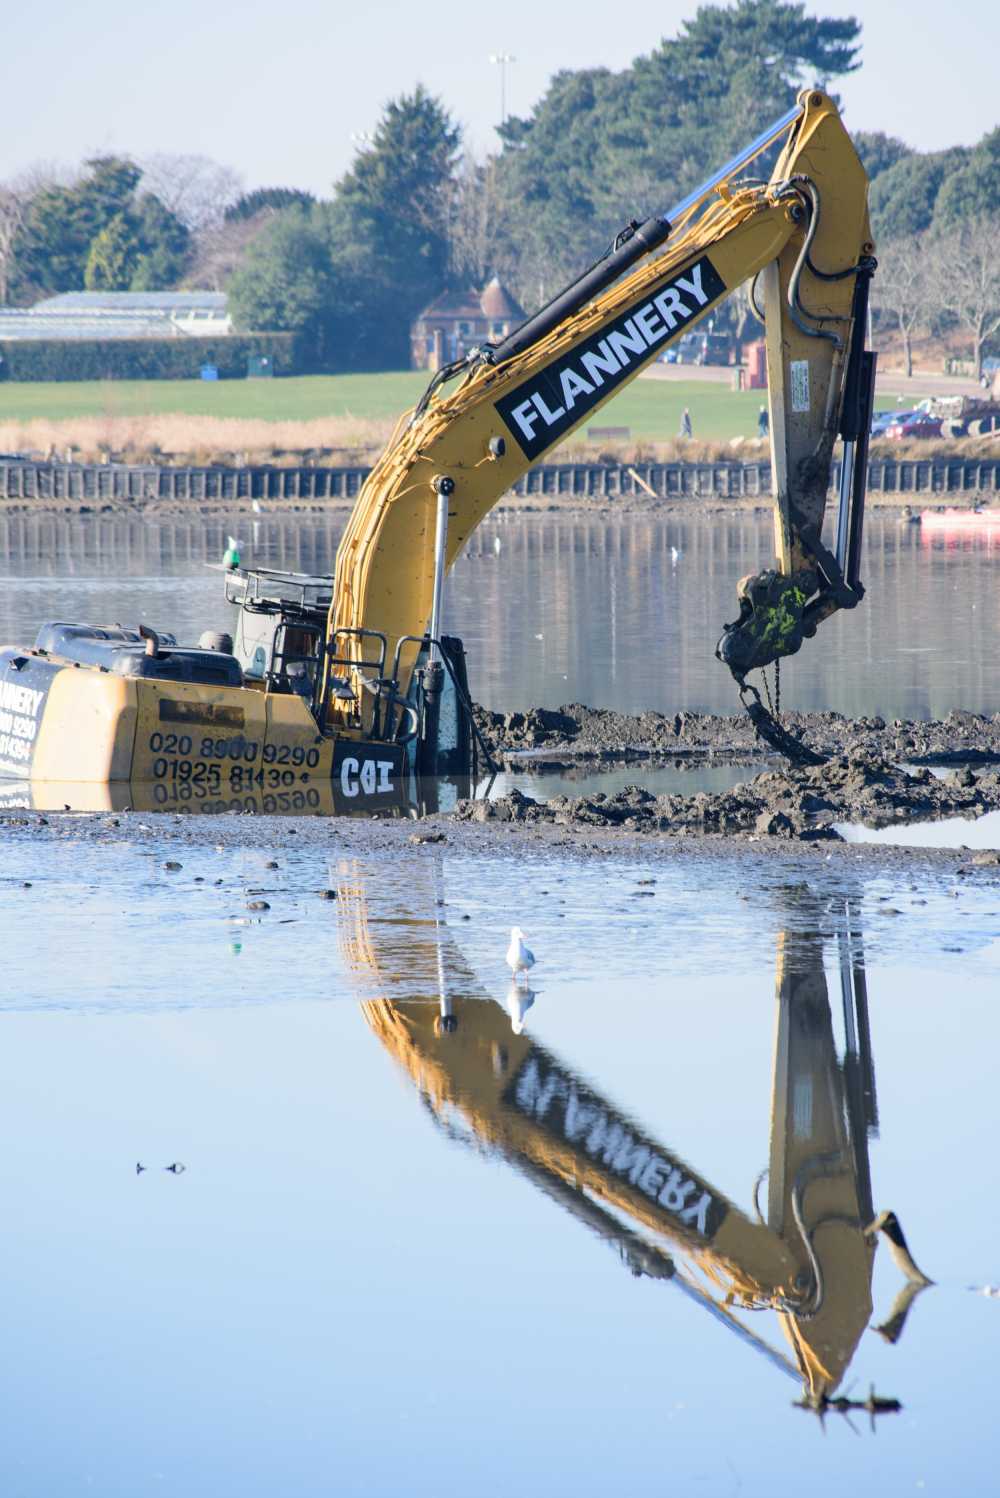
(588, 733)
(792, 803)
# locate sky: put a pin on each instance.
(282, 92)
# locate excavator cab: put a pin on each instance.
(280, 640)
(279, 627)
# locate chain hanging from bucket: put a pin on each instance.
(766, 721)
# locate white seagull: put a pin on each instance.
(519, 1001)
(519, 958)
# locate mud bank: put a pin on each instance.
(509, 842)
(802, 804)
(579, 733)
(863, 780)
(684, 507)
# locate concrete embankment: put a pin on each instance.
(897, 478)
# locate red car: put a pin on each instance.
(918, 424)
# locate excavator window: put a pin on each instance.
(296, 658)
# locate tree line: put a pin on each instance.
(417, 214)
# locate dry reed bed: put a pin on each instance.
(197, 440)
(355, 441)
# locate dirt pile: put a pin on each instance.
(789, 803)
(598, 733)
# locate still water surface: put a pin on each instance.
(569, 609)
(407, 1254)
(397, 1262)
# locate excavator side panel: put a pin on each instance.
(210, 738)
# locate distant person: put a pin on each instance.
(686, 430)
(763, 424)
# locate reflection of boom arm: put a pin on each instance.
(806, 234)
(811, 1261)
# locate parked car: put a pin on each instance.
(916, 424)
(881, 420)
(704, 348)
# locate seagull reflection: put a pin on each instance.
(519, 1001)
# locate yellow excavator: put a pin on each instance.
(347, 682)
(807, 1256)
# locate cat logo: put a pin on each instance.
(367, 776)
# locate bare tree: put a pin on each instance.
(195, 188)
(16, 196)
(967, 280)
(904, 289)
(474, 221)
(220, 249)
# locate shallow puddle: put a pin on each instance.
(440, 1233)
(682, 777)
(949, 832)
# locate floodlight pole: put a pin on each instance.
(502, 59)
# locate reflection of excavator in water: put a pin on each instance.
(808, 1258)
(348, 679)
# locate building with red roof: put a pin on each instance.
(457, 321)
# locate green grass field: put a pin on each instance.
(650, 409)
(369, 396)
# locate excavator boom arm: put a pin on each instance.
(806, 230)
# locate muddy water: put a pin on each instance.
(617, 613)
(379, 1273)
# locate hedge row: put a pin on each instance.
(145, 358)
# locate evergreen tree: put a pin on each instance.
(97, 234)
(63, 223)
(387, 230)
(973, 191)
(602, 147)
(164, 246)
(879, 151)
(114, 255)
(903, 198)
(251, 203)
(285, 282)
